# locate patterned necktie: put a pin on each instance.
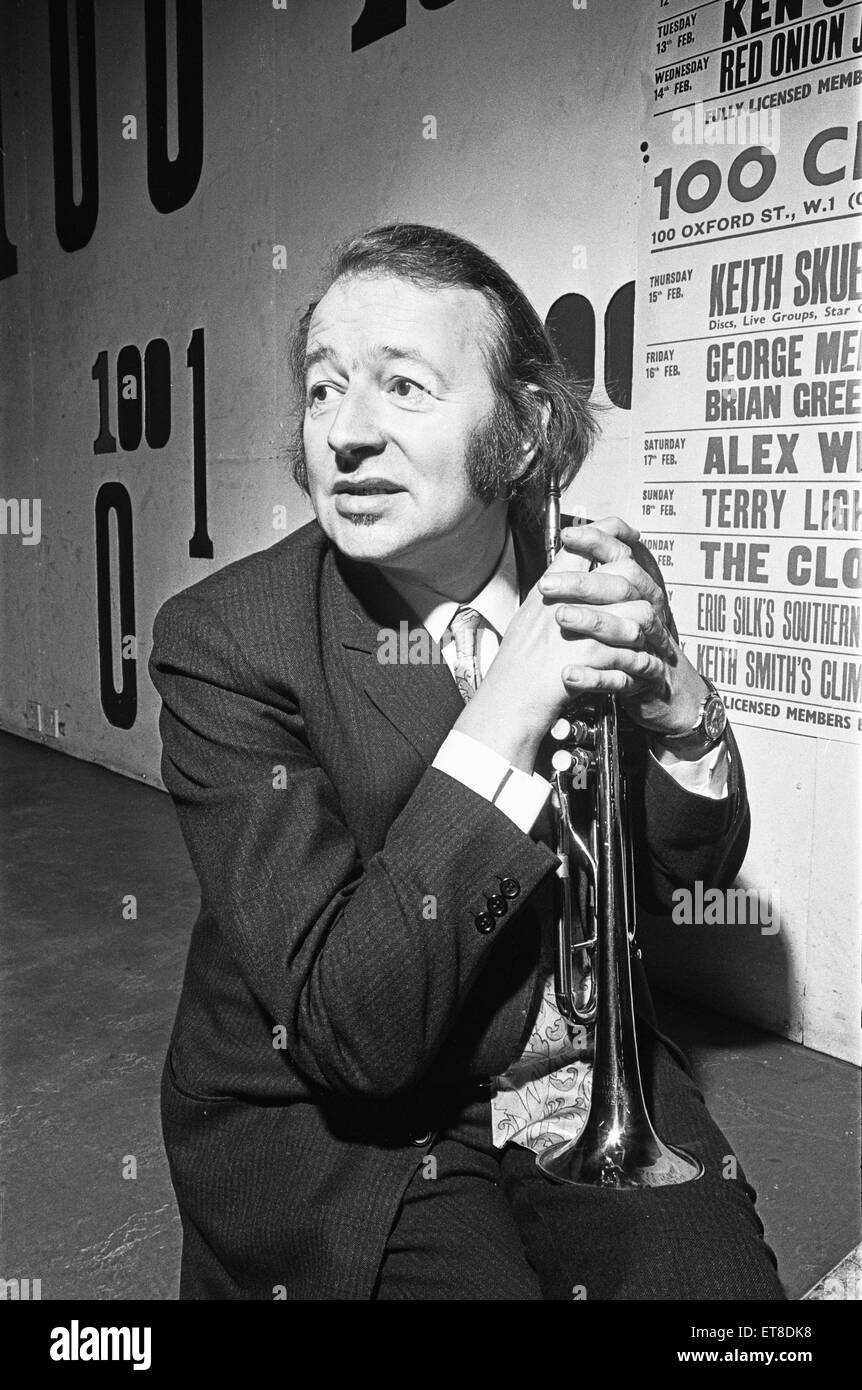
(463, 627)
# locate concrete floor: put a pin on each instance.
(87, 1004)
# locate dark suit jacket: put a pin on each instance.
(327, 1020)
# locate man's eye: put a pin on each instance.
(317, 394)
(406, 389)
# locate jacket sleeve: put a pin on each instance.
(364, 974)
(686, 837)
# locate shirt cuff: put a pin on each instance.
(522, 798)
(707, 776)
(518, 795)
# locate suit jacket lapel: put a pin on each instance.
(421, 700)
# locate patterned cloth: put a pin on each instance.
(544, 1097)
(464, 626)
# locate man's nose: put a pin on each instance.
(357, 428)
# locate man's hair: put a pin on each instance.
(536, 397)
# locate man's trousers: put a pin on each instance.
(483, 1223)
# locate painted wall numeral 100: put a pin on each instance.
(143, 406)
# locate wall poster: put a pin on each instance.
(748, 392)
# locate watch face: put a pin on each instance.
(714, 717)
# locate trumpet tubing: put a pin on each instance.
(618, 1146)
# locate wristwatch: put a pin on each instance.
(707, 732)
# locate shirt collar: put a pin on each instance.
(497, 602)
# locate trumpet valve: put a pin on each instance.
(571, 760)
(573, 731)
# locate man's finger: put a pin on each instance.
(600, 586)
(621, 626)
(641, 665)
(583, 680)
(615, 526)
(594, 545)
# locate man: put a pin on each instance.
(366, 1055)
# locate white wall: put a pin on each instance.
(538, 113)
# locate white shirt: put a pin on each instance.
(519, 796)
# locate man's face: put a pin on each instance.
(396, 385)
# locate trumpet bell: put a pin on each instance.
(598, 1157)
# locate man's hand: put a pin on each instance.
(580, 631)
(618, 604)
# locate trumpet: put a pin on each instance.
(618, 1146)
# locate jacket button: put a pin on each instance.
(510, 887)
(485, 922)
(497, 906)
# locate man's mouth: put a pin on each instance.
(365, 487)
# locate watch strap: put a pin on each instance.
(709, 729)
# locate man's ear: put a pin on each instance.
(531, 443)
